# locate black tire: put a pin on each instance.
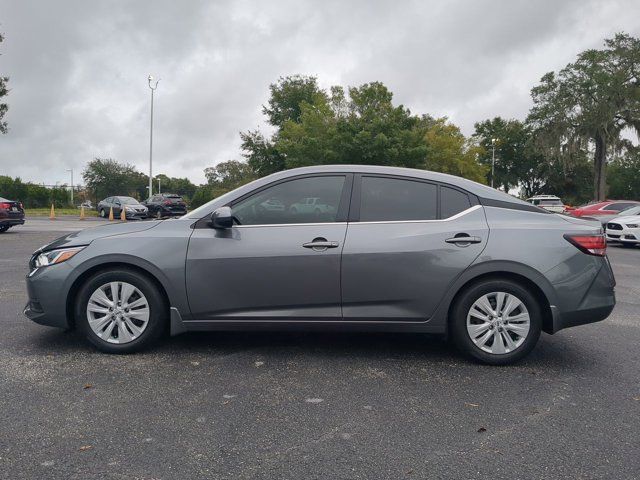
(460, 310)
(159, 214)
(102, 213)
(4, 228)
(158, 318)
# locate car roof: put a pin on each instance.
(476, 188)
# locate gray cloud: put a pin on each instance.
(78, 69)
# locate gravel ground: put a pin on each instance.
(306, 406)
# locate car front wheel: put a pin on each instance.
(496, 321)
(120, 311)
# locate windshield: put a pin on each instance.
(172, 196)
(631, 211)
(128, 201)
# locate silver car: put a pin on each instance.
(399, 250)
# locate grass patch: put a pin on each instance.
(44, 212)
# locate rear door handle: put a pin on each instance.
(463, 239)
(320, 244)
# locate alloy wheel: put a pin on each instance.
(118, 312)
(498, 323)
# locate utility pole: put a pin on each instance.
(153, 89)
(493, 158)
(159, 189)
(71, 170)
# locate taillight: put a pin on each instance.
(167, 202)
(4, 205)
(589, 244)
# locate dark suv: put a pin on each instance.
(166, 205)
(11, 214)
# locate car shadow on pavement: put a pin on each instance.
(557, 351)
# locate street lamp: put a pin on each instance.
(493, 158)
(71, 170)
(153, 89)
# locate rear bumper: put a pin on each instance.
(597, 303)
(581, 317)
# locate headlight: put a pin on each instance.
(632, 225)
(55, 256)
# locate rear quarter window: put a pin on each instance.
(452, 202)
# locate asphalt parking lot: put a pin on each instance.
(306, 406)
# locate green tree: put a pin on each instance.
(229, 175)
(595, 98)
(624, 178)
(448, 151)
(365, 128)
(180, 186)
(106, 177)
(3, 92)
(288, 95)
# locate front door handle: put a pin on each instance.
(463, 240)
(320, 244)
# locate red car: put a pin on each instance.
(11, 213)
(608, 207)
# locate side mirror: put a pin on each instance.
(222, 218)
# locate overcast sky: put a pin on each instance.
(78, 70)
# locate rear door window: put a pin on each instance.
(391, 199)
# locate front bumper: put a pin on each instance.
(47, 292)
(626, 235)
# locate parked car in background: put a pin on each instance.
(86, 204)
(166, 205)
(548, 202)
(625, 228)
(11, 214)
(132, 207)
(603, 211)
(403, 250)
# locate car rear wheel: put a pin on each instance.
(496, 321)
(159, 215)
(103, 213)
(120, 311)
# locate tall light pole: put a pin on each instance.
(71, 170)
(153, 89)
(493, 158)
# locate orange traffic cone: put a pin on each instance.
(82, 212)
(123, 216)
(111, 214)
(52, 214)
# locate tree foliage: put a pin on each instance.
(595, 99)
(107, 177)
(4, 90)
(359, 126)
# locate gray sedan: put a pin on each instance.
(398, 250)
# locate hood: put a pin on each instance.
(627, 219)
(88, 235)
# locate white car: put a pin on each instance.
(548, 202)
(626, 228)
